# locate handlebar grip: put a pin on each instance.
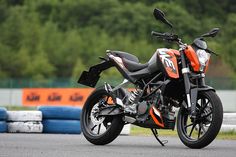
(165, 36)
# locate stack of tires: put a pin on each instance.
(60, 119)
(24, 121)
(3, 117)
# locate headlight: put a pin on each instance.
(203, 58)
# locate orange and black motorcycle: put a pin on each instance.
(171, 79)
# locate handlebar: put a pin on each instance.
(174, 38)
(165, 36)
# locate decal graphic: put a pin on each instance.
(169, 61)
(166, 60)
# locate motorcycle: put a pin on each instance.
(170, 80)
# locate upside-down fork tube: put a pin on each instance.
(191, 94)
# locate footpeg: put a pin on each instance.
(129, 119)
(131, 109)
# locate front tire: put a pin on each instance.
(99, 130)
(201, 132)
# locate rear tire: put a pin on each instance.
(204, 130)
(112, 125)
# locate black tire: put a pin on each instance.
(210, 116)
(115, 122)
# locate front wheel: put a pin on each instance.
(200, 132)
(99, 130)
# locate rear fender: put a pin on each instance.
(91, 77)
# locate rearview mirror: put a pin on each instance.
(159, 15)
(212, 33)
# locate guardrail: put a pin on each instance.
(224, 83)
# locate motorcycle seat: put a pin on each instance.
(133, 66)
(130, 61)
(125, 55)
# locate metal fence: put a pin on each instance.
(218, 83)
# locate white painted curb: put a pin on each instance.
(25, 127)
(24, 116)
(126, 129)
(226, 128)
(229, 122)
(229, 119)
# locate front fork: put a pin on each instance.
(191, 93)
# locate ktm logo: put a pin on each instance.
(54, 97)
(76, 97)
(33, 97)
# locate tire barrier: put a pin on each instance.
(3, 117)
(24, 116)
(25, 127)
(3, 127)
(3, 114)
(24, 121)
(60, 126)
(60, 112)
(61, 119)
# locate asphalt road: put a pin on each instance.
(53, 145)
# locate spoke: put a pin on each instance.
(207, 115)
(185, 122)
(99, 128)
(188, 125)
(199, 131)
(192, 130)
(93, 127)
(205, 105)
(203, 129)
(198, 106)
(202, 102)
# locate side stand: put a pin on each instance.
(155, 133)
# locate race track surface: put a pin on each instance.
(55, 145)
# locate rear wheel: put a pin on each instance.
(202, 131)
(96, 129)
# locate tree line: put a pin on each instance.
(60, 38)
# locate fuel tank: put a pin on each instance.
(165, 60)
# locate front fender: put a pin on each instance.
(194, 94)
(205, 88)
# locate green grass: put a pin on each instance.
(19, 108)
(138, 131)
(230, 135)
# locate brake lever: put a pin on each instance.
(103, 59)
